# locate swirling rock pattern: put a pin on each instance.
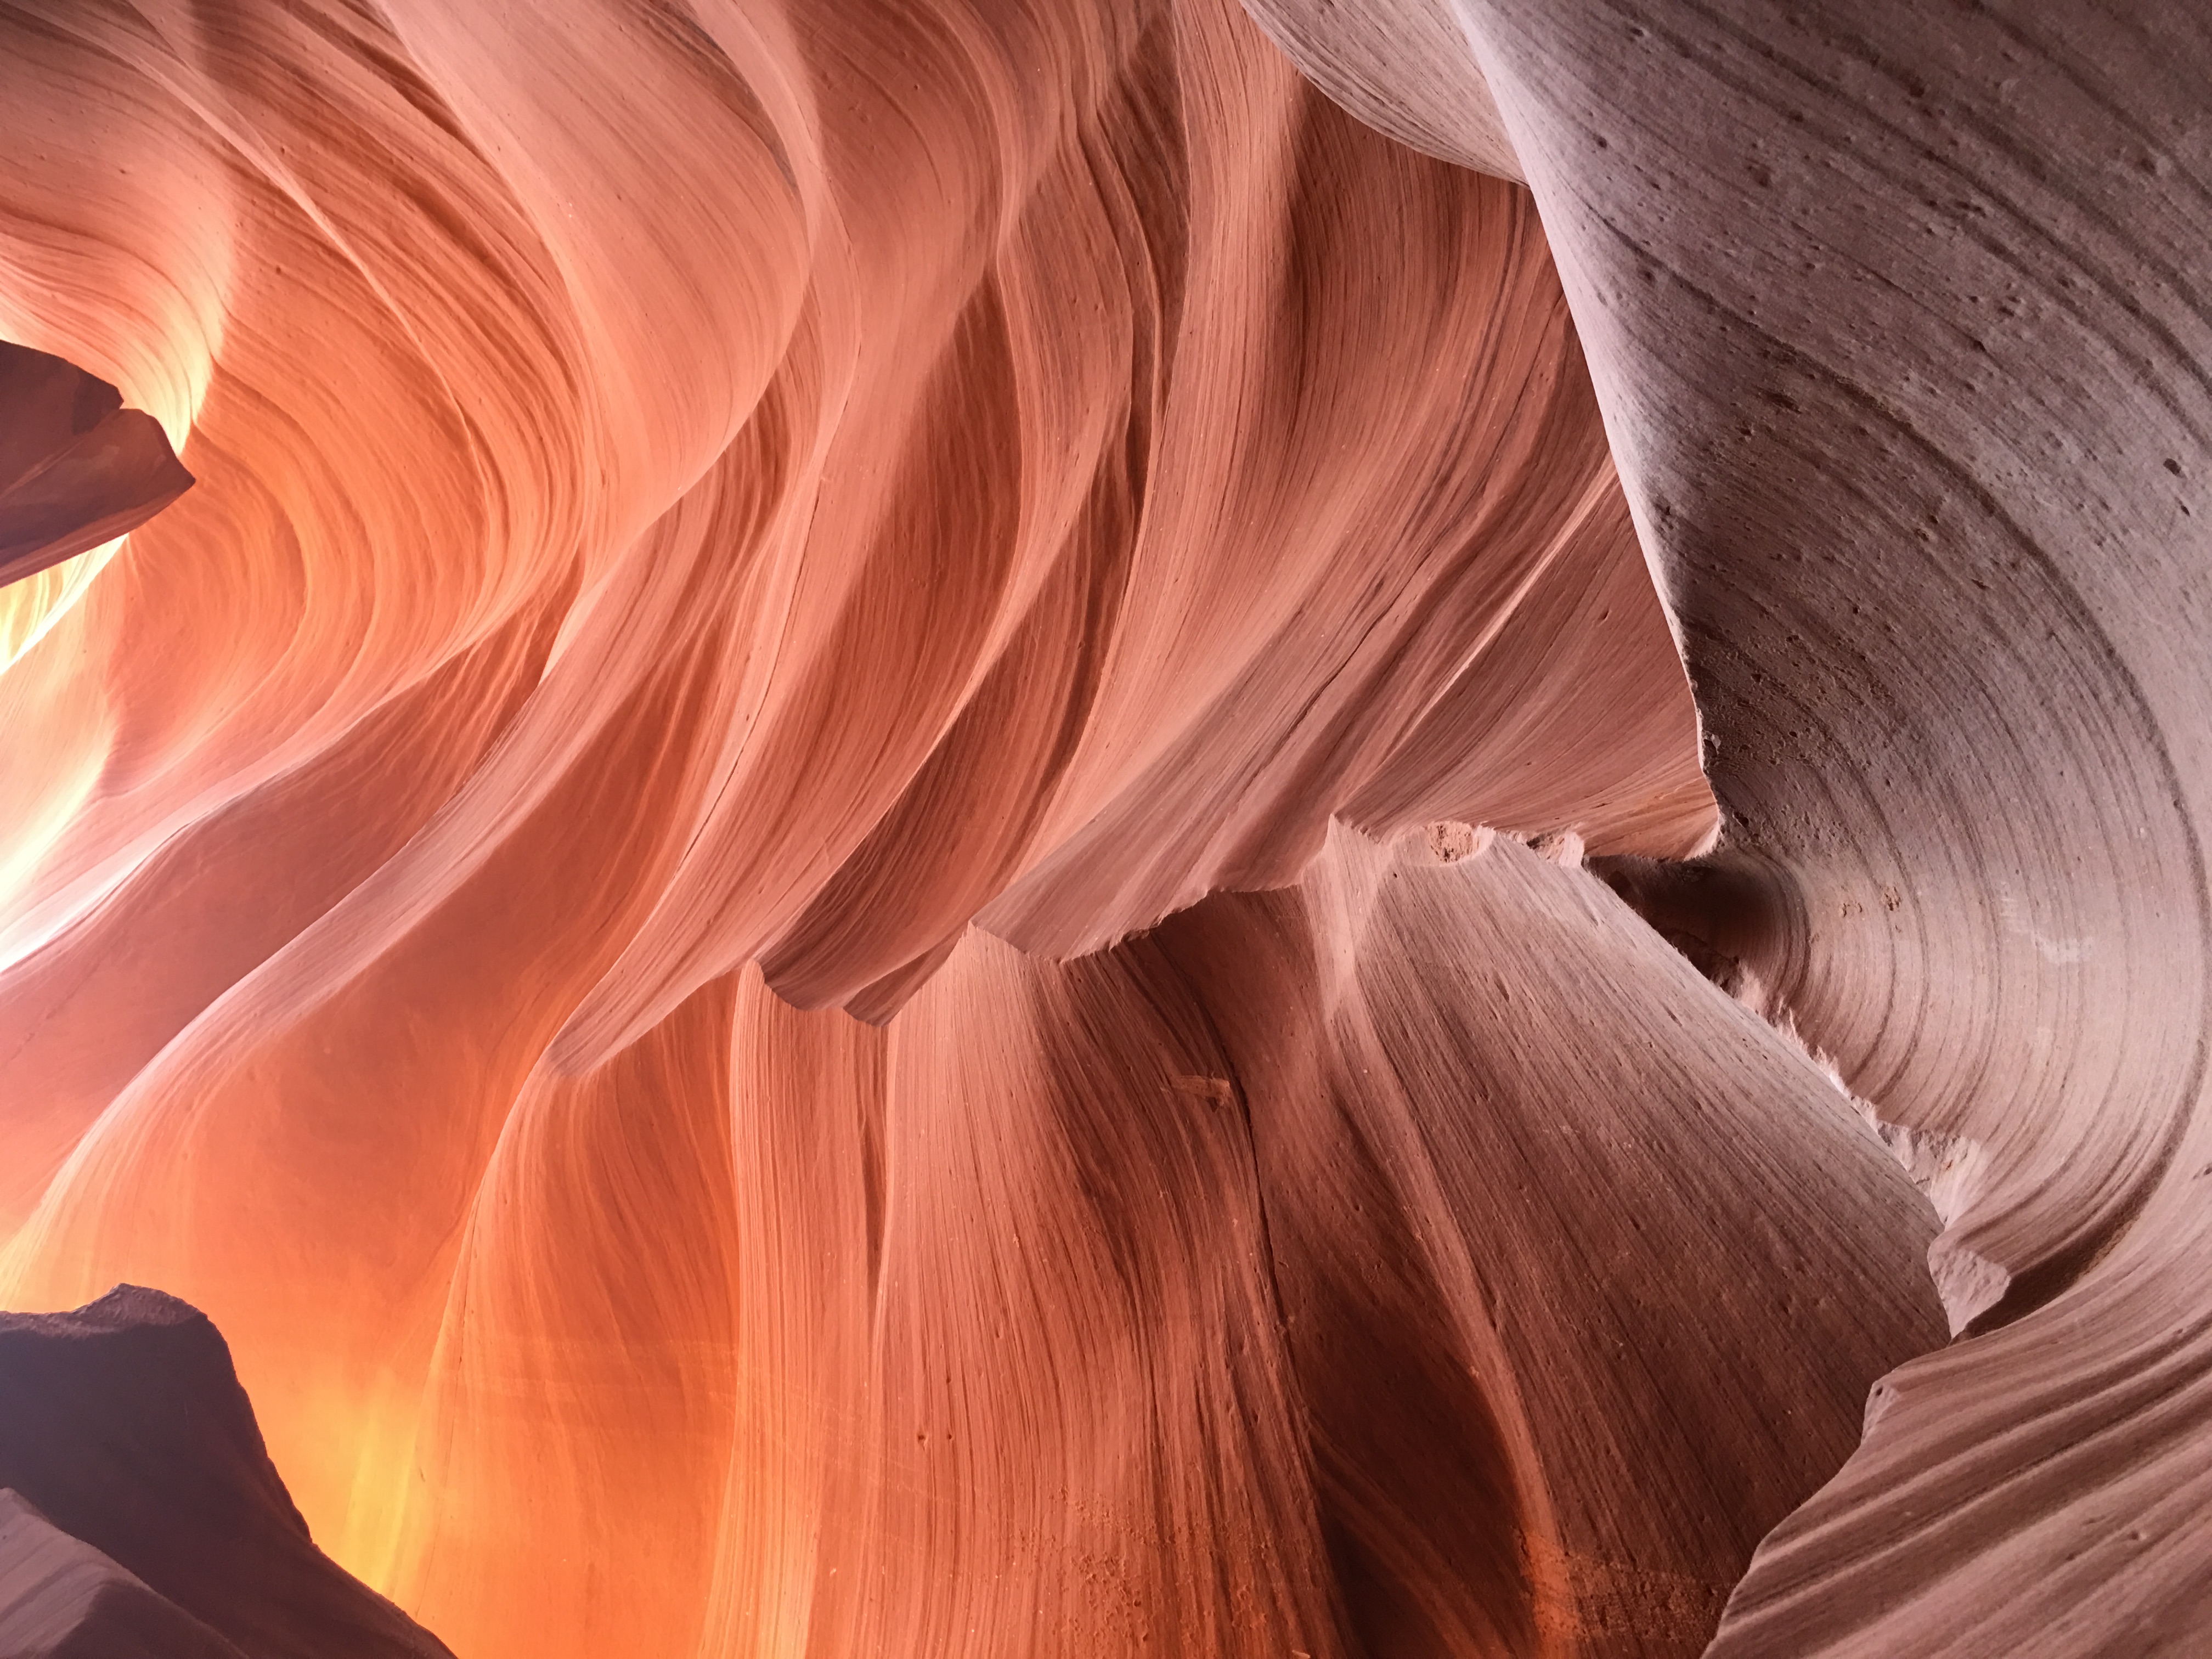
(804, 887)
(1895, 320)
(1407, 70)
(692, 513)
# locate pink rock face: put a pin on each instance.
(1894, 321)
(832, 887)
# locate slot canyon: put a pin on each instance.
(1061, 828)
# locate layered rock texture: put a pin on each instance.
(832, 886)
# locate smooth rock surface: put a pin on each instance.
(690, 508)
(1899, 325)
(832, 886)
(1406, 70)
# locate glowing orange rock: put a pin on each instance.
(808, 888)
(696, 515)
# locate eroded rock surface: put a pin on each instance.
(680, 501)
(1897, 323)
(832, 886)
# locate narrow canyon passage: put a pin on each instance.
(876, 828)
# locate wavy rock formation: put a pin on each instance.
(831, 887)
(1895, 322)
(1407, 70)
(139, 1513)
(1086, 1278)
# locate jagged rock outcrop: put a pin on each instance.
(76, 468)
(139, 1512)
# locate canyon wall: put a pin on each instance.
(831, 886)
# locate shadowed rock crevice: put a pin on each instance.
(139, 1512)
(76, 468)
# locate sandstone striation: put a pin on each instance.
(1893, 321)
(906, 853)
